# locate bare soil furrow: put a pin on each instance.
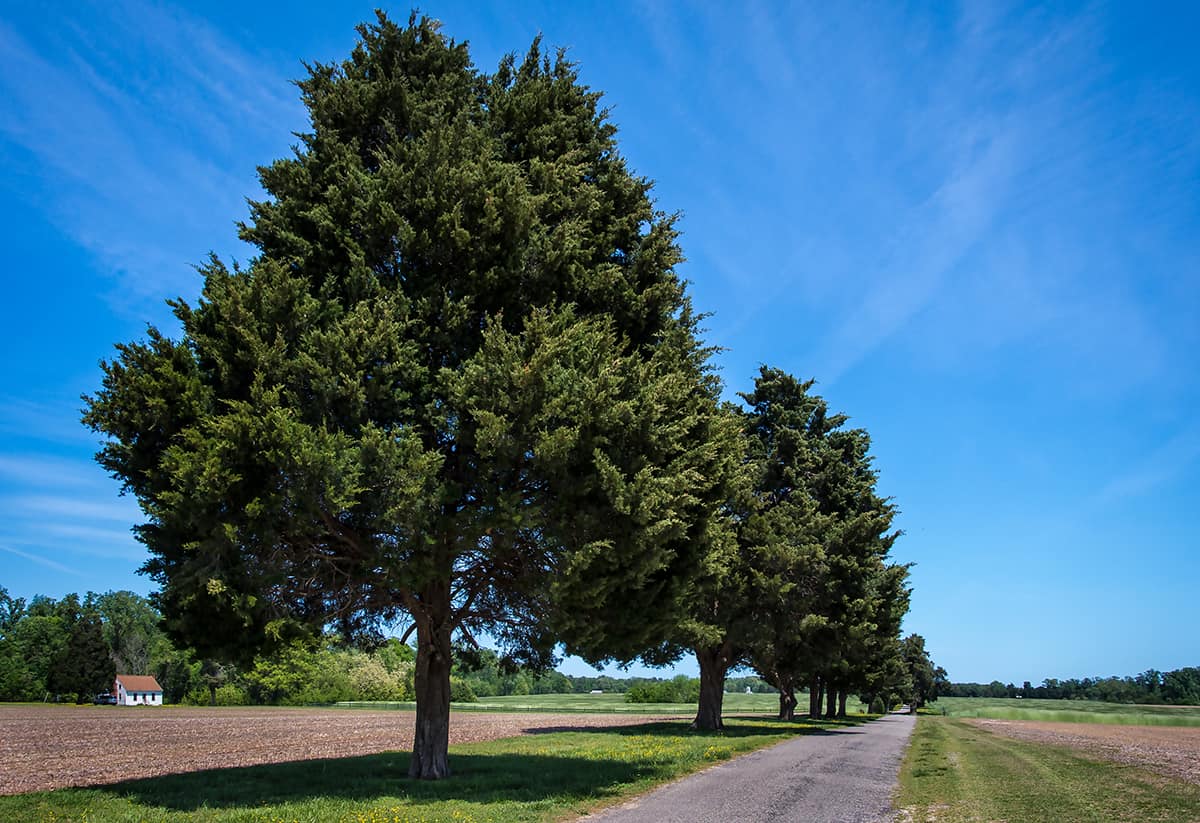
(50, 747)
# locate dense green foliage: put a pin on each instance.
(58, 649)
(85, 667)
(803, 591)
(303, 673)
(461, 381)
(925, 680)
(70, 650)
(462, 385)
(827, 602)
(125, 637)
(756, 685)
(679, 689)
(462, 300)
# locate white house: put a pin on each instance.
(137, 690)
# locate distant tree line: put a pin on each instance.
(483, 672)
(1177, 687)
(71, 649)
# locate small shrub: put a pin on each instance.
(461, 691)
(877, 706)
(231, 695)
(370, 679)
(650, 692)
(681, 689)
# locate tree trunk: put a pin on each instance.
(841, 703)
(714, 663)
(830, 701)
(787, 701)
(431, 738)
(814, 698)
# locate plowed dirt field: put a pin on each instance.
(49, 747)
(1173, 751)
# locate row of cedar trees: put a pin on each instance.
(462, 384)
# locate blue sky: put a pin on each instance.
(978, 227)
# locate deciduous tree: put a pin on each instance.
(130, 630)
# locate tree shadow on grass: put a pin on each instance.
(476, 778)
(522, 777)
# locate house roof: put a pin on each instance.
(139, 683)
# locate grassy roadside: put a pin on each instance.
(955, 771)
(540, 777)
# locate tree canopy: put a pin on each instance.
(836, 615)
(460, 381)
(925, 678)
(803, 590)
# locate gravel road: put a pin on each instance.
(840, 776)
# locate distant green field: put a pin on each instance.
(733, 704)
(1068, 711)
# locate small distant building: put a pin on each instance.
(596, 691)
(137, 690)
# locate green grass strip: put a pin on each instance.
(955, 771)
(538, 777)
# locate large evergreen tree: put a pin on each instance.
(843, 596)
(460, 380)
(757, 588)
(84, 668)
(925, 676)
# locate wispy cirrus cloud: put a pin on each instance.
(57, 510)
(156, 176)
(46, 421)
(119, 510)
(1157, 468)
(41, 561)
(922, 256)
(51, 471)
